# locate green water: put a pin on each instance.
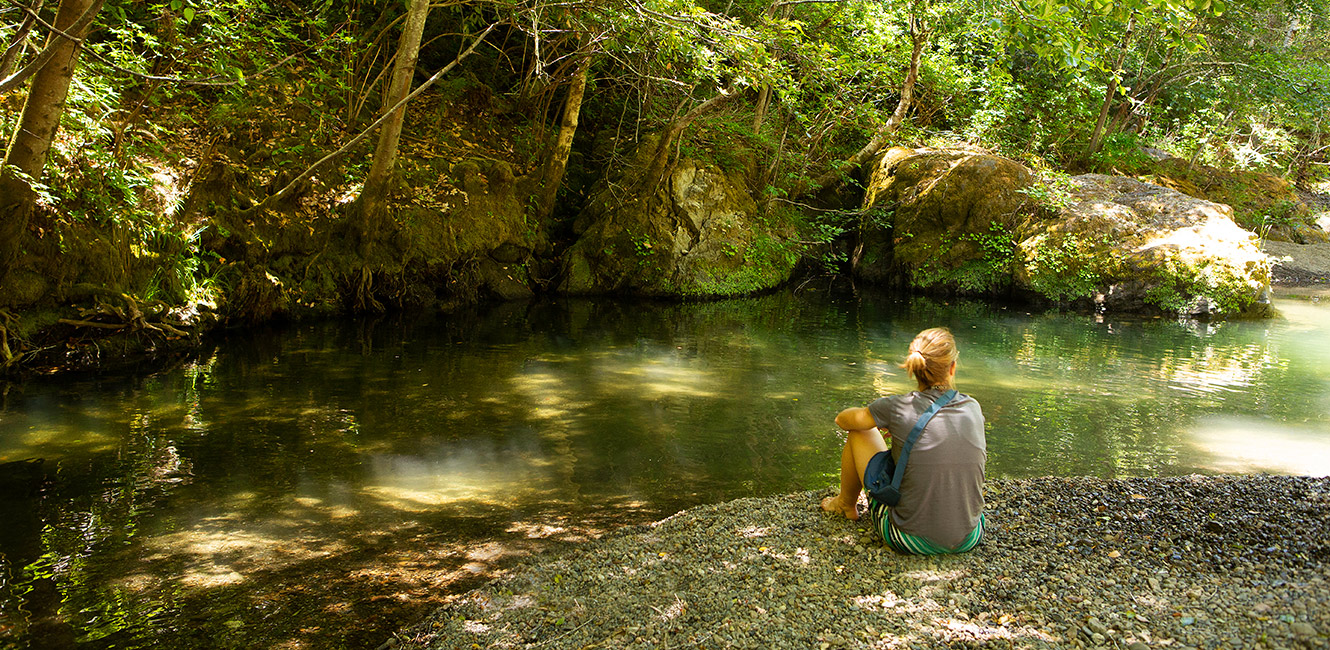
(323, 485)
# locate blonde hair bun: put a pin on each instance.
(931, 354)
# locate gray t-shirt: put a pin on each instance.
(942, 493)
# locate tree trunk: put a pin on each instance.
(1097, 138)
(657, 169)
(919, 38)
(18, 44)
(374, 196)
(37, 125)
(563, 143)
(760, 113)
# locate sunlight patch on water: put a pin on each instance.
(57, 442)
(660, 377)
(479, 474)
(549, 394)
(1251, 445)
(217, 576)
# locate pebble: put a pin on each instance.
(776, 572)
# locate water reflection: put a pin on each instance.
(324, 485)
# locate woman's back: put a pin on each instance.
(942, 491)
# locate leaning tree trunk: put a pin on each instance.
(19, 42)
(563, 143)
(38, 123)
(919, 39)
(656, 171)
(373, 198)
(1097, 138)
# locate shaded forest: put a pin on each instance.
(172, 166)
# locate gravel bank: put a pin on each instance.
(1206, 562)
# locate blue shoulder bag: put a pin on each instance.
(890, 493)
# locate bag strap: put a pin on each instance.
(937, 405)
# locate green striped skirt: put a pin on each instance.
(904, 542)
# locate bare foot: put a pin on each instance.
(833, 504)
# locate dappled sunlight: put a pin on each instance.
(55, 440)
(546, 395)
(1234, 445)
(754, 531)
(536, 530)
(1210, 370)
(653, 378)
(477, 474)
(1216, 238)
(953, 631)
(886, 601)
(211, 549)
(932, 576)
(211, 576)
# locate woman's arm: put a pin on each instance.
(855, 418)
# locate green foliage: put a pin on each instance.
(1067, 268)
(1052, 193)
(1179, 284)
(766, 261)
(186, 273)
(642, 246)
(986, 261)
(1121, 155)
(1283, 215)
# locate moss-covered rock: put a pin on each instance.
(698, 233)
(1137, 247)
(1265, 204)
(942, 219)
(978, 224)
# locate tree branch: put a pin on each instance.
(20, 37)
(286, 191)
(42, 58)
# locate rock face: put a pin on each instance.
(696, 234)
(980, 224)
(933, 214)
(1261, 202)
(1144, 247)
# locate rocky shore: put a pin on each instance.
(1184, 562)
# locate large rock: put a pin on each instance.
(1135, 246)
(973, 223)
(934, 215)
(697, 234)
(1265, 204)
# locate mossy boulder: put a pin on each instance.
(697, 232)
(1132, 246)
(978, 224)
(933, 217)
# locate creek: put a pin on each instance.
(322, 485)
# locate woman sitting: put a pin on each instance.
(942, 492)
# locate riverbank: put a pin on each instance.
(1303, 269)
(1299, 269)
(1190, 561)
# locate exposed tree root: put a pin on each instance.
(133, 316)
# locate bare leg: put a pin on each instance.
(860, 445)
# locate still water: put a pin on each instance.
(322, 485)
